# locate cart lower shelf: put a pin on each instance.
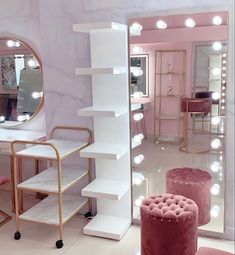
(47, 210)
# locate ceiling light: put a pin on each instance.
(217, 46)
(189, 22)
(161, 24)
(217, 20)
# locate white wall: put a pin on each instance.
(47, 26)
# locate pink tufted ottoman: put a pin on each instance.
(168, 225)
(194, 184)
(211, 251)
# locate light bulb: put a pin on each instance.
(215, 144)
(138, 138)
(37, 94)
(138, 116)
(223, 81)
(138, 159)
(137, 72)
(223, 88)
(31, 63)
(223, 94)
(224, 55)
(137, 178)
(2, 119)
(215, 166)
(214, 212)
(138, 94)
(222, 107)
(224, 75)
(223, 68)
(10, 43)
(216, 71)
(215, 189)
(137, 27)
(139, 200)
(189, 23)
(215, 120)
(223, 101)
(224, 61)
(161, 24)
(17, 44)
(215, 95)
(217, 20)
(217, 46)
(20, 118)
(137, 50)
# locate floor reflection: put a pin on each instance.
(149, 175)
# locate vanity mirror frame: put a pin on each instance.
(229, 188)
(6, 90)
(146, 57)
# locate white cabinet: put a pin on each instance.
(58, 207)
(110, 112)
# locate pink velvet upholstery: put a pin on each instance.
(196, 105)
(211, 251)
(168, 225)
(194, 184)
(3, 180)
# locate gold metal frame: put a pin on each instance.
(6, 216)
(18, 177)
(11, 37)
(184, 147)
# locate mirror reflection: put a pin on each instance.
(139, 74)
(21, 82)
(178, 134)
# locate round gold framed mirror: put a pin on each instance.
(21, 82)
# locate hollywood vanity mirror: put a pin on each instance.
(21, 83)
(187, 58)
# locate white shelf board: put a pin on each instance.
(47, 211)
(107, 189)
(47, 181)
(104, 26)
(135, 107)
(65, 148)
(107, 226)
(100, 70)
(102, 111)
(104, 151)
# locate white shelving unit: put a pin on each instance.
(55, 209)
(111, 147)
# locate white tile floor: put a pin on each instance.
(158, 158)
(38, 239)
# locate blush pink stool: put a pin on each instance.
(168, 225)
(3, 181)
(211, 251)
(194, 184)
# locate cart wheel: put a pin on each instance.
(17, 235)
(59, 244)
(88, 215)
